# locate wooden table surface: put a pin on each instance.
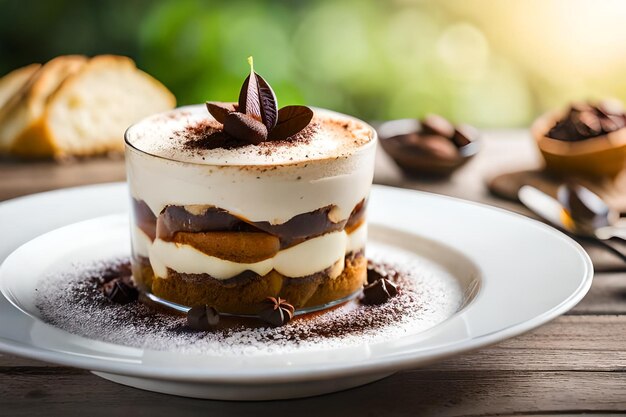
(576, 364)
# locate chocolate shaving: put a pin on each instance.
(276, 312)
(291, 120)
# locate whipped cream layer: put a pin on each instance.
(273, 181)
(307, 258)
(140, 242)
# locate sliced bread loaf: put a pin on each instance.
(13, 82)
(22, 113)
(90, 111)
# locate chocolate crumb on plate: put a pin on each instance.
(72, 301)
(119, 289)
(379, 292)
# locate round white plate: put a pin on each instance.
(526, 274)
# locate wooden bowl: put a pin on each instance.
(601, 156)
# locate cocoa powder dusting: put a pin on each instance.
(208, 134)
(74, 303)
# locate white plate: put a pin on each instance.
(529, 273)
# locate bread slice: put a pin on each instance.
(90, 111)
(22, 114)
(12, 82)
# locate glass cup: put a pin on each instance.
(230, 227)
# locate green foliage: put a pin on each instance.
(374, 59)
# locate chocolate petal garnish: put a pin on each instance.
(269, 103)
(291, 120)
(249, 92)
(219, 110)
(257, 99)
(244, 127)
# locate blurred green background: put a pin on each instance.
(492, 63)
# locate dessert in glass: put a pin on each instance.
(233, 203)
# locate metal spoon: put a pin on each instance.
(589, 213)
(556, 213)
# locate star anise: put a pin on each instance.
(276, 311)
(256, 117)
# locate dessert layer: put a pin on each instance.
(140, 241)
(144, 218)
(169, 134)
(272, 182)
(246, 295)
(240, 247)
(243, 247)
(301, 260)
(194, 219)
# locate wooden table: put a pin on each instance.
(575, 364)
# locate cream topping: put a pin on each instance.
(140, 242)
(307, 258)
(329, 169)
(165, 135)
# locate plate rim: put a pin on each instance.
(376, 365)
